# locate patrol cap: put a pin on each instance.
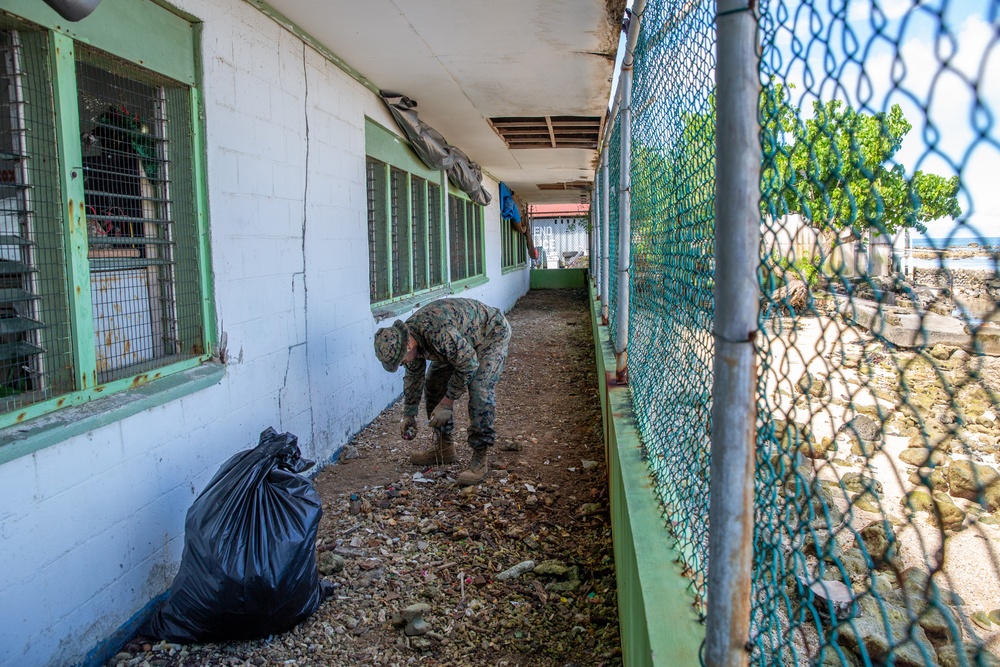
(390, 345)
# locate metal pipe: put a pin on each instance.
(609, 126)
(638, 7)
(737, 238)
(596, 257)
(624, 233)
(625, 197)
(605, 236)
(594, 238)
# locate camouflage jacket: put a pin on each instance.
(449, 331)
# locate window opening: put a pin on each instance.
(419, 232)
(435, 236)
(399, 230)
(377, 231)
(35, 350)
(127, 117)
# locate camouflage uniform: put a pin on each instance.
(466, 343)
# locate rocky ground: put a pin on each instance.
(900, 450)
(419, 565)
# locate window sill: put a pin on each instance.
(49, 429)
(383, 311)
(468, 283)
(511, 269)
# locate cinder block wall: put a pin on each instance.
(91, 527)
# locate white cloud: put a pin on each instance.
(934, 75)
(890, 9)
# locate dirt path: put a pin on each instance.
(393, 536)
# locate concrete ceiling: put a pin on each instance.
(468, 61)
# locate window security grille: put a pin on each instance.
(419, 232)
(400, 231)
(378, 259)
(466, 237)
(131, 300)
(474, 216)
(514, 252)
(435, 236)
(35, 347)
(132, 123)
(458, 238)
(404, 233)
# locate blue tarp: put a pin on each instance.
(508, 207)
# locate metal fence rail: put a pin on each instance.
(876, 489)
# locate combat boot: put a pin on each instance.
(477, 469)
(443, 451)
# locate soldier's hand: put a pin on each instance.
(441, 416)
(408, 427)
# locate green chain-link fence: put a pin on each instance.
(672, 263)
(877, 491)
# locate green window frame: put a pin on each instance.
(406, 230)
(104, 279)
(466, 239)
(513, 247)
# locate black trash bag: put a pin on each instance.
(249, 564)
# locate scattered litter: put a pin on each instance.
(517, 570)
(471, 536)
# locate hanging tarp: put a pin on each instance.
(508, 207)
(427, 142)
(468, 177)
(431, 147)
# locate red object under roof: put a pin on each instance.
(558, 210)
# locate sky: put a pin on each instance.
(939, 60)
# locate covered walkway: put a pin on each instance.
(393, 536)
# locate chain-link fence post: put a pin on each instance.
(625, 180)
(737, 239)
(592, 240)
(605, 227)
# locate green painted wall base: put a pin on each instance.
(558, 278)
(659, 624)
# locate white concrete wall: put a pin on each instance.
(91, 529)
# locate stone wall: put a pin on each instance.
(969, 283)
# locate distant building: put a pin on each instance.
(559, 231)
(793, 238)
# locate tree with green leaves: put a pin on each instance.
(835, 169)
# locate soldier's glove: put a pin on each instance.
(441, 416)
(408, 427)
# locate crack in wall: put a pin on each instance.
(305, 279)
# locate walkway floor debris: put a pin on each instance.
(416, 560)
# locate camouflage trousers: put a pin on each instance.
(482, 389)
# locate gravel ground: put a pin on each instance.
(416, 561)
